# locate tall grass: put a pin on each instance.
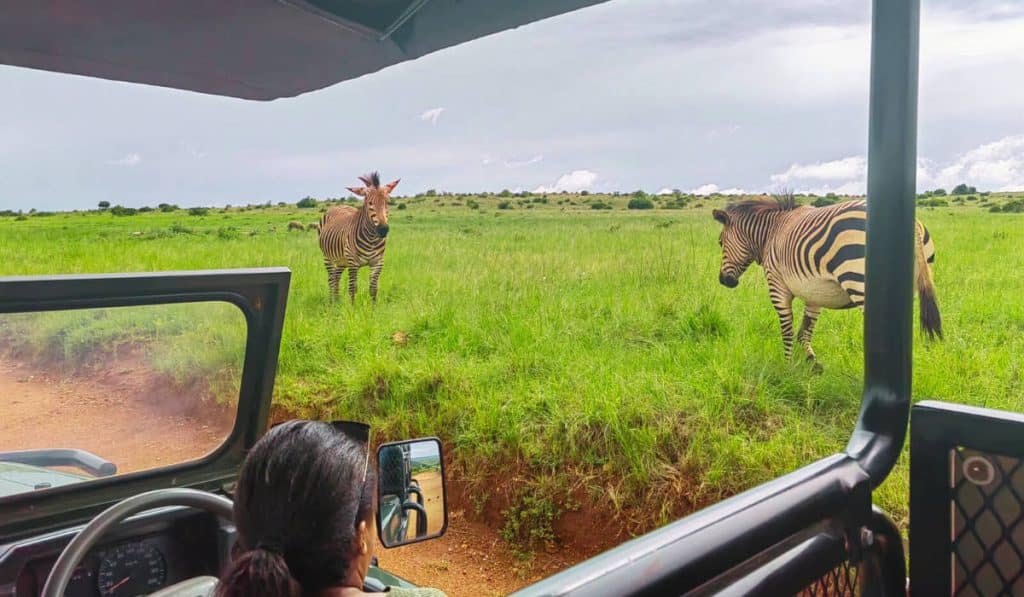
(591, 350)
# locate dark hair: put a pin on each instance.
(298, 505)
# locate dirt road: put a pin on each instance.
(111, 417)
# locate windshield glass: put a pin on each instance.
(95, 392)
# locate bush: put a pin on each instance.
(103, 204)
(198, 211)
(504, 205)
(933, 202)
(145, 209)
(166, 207)
(640, 203)
(402, 206)
(473, 204)
(1010, 207)
(306, 202)
(823, 201)
(117, 210)
(600, 205)
(963, 189)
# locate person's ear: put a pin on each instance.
(364, 539)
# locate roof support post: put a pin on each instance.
(891, 189)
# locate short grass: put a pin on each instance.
(590, 351)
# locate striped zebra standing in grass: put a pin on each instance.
(814, 254)
(351, 238)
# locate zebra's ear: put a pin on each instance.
(391, 185)
(361, 191)
(720, 215)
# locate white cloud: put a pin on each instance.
(431, 115)
(132, 159)
(733, 191)
(844, 169)
(996, 166)
(665, 191)
(711, 188)
(522, 163)
(573, 182)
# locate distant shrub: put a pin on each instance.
(306, 202)
(600, 205)
(972, 197)
(939, 192)
(227, 233)
(43, 214)
(177, 228)
(640, 203)
(402, 206)
(279, 204)
(504, 205)
(430, 192)
(198, 211)
(823, 202)
(584, 192)
(934, 202)
(7, 213)
(473, 204)
(167, 207)
(21, 218)
(543, 200)
(963, 189)
(1015, 206)
(117, 210)
(145, 209)
(103, 204)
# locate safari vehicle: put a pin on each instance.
(814, 531)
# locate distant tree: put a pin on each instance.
(167, 207)
(823, 201)
(640, 203)
(306, 202)
(104, 204)
(939, 192)
(584, 192)
(963, 189)
(198, 211)
(504, 205)
(431, 193)
(505, 193)
(639, 194)
(117, 210)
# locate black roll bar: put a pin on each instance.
(892, 173)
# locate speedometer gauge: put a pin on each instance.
(131, 569)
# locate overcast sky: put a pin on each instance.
(651, 94)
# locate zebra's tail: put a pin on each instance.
(931, 321)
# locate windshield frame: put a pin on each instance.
(260, 294)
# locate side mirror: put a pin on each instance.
(411, 501)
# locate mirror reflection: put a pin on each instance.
(411, 493)
(91, 393)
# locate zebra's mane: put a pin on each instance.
(784, 202)
(371, 180)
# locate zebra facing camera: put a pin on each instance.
(979, 471)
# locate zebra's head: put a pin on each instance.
(738, 251)
(375, 199)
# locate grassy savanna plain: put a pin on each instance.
(570, 358)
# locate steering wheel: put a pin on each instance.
(72, 555)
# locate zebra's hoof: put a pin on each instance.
(816, 367)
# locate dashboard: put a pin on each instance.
(145, 553)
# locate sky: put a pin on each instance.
(702, 96)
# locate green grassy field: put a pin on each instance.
(571, 351)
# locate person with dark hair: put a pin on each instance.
(305, 512)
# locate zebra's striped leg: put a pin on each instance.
(374, 275)
(333, 274)
(807, 330)
(782, 300)
(353, 275)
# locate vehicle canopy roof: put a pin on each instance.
(251, 49)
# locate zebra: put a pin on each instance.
(815, 254)
(351, 238)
